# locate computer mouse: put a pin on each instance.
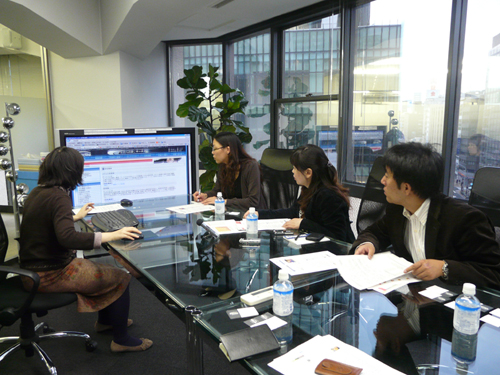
(126, 203)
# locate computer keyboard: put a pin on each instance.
(114, 220)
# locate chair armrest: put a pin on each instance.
(10, 314)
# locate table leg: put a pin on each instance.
(193, 342)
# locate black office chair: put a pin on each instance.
(373, 202)
(17, 303)
(279, 187)
(485, 195)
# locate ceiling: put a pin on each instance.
(81, 28)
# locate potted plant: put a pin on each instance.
(211, 105)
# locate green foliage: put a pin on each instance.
(211, 105)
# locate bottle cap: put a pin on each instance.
(282, 275)
(252, 210)
(469, 288)
(219, 194)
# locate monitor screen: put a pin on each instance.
(133, 163)
(372, 138)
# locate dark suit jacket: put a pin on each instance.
(326, 213)
(251, 188)
(455, 232)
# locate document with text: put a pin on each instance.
(304, 358)
(192, 208)
(363, 273)
(306, 263)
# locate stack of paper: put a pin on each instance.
(221, 227)
(383, 273)
(306, 263)
(304, 358)
(192, 208)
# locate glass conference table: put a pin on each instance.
(206, 276)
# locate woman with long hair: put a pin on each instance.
(238, 178)
(47, 242)
(323, 205)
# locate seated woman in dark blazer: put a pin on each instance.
(238, 178)
(48, 240)
(323, 205)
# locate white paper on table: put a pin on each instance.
(398, 282)
(192, 208)
(363, 273)
(304, 358)
(495, 312)
(272, 323)
(433, 292)
(490, 319)
(100, 209)
(306, 263)
(221, 227)
(247, 312)
(271, 224)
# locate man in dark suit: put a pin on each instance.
(442, 236)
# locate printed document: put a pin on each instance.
(363, 273)
(101, 209)
(192, 208)
(304, 358)
(271, 224)
(220, 227)
(306, 263)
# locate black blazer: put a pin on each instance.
(455, 232)
(326, 213)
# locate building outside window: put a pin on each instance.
(400, 76)
(308, 108)
(185, 57)
(479, 122)
(249, 71)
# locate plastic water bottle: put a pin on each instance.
(219, 207)
(284, 334)
(283, 295)
(252, 224)
(465, 325)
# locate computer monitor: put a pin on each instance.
(133, 163)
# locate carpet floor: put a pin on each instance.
(152, 320)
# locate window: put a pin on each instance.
(400, 69)
(479, 117)
(308, 109)
(249, 71)
(185, 57)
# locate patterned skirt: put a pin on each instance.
(96, 285)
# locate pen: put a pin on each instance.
(298, 235)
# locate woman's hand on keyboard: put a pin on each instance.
(83, 211)
(128, 233)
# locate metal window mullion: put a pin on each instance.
(344, 152)
(453, 91)
(276, 77)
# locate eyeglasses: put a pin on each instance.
(218, 148)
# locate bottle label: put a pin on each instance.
(466, 319)
(252, 224)
(283, 302)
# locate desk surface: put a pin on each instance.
(192, 268)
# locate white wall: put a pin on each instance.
(111, 91)
(86, 92)
(144, 89)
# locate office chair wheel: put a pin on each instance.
(47, 329)
(90, 345)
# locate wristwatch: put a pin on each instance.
(445, 270)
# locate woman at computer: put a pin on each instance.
(323, 205)
(238, 178)
(47, 240)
